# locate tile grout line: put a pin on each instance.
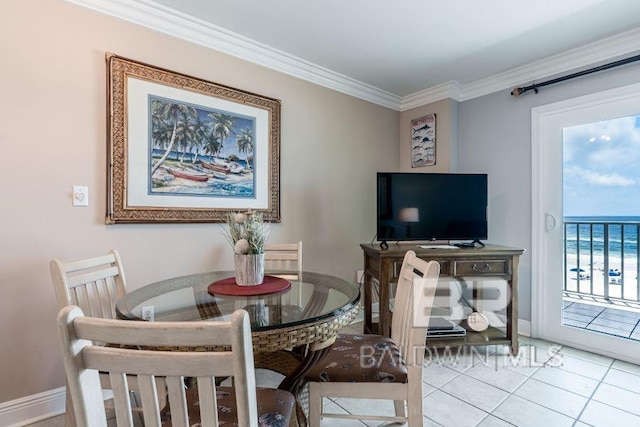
(575, 420)
(491, 385)
(586, 327)
(612, 385)
(594, 391)
(530, 377)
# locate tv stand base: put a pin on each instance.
(472, 244)
(491, 263)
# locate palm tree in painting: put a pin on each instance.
(182, 139)
(212, 144)
(198, 131)
(189, 138)
(160, 130)
(160, 135)
(222, 126)
(176, 117)
(245, 143)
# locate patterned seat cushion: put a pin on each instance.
(275, 407)
(361, 358)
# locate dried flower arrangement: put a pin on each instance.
(247, 232)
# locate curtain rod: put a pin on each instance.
(521, 90)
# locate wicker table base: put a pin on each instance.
(300, 325)
(296, 352)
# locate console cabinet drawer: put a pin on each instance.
(444, 268)
(480, 267)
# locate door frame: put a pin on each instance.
(546, 218)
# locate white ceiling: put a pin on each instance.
(397, 53)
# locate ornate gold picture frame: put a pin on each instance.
(183, 149)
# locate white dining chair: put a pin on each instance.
(95, 285)
(369, 366)
(204, 351)
(284, 256)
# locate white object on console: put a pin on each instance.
(478, 321)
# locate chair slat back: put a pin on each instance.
(283, 256)
(93, 284)
(83, 361)
(418, 279)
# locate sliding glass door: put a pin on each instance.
(586, 182)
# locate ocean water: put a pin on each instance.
(623, 235)
(188, 157)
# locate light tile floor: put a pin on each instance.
(544, 385)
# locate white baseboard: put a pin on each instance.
(34, 408)
(524, 327)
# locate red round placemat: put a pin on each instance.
(228, 286)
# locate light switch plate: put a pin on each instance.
(80, 195)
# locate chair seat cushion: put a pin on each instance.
(361, 358)
(275, 407)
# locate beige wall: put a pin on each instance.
(446, 112)
(53, 135)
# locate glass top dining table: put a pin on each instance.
(291, 329)
(312, 298)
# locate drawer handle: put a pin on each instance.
(486, 268)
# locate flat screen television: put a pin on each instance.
(431, 206)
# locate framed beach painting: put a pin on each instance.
(423, 141)
(183, 149)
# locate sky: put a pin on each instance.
(602, 168)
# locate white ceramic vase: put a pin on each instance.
(249, 269)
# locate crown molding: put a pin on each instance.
(571, 60)
(157, 17)
(451, 89)
(602, 50)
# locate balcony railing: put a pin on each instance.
(601, 259)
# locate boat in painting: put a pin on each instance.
(236, 167)
(219, 175)
(193, 176)
(216, 166)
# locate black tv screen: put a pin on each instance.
(431, 206)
